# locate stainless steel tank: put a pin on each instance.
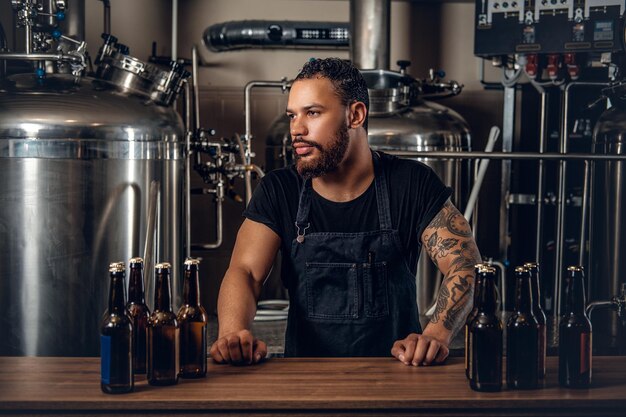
(607, 233)
(90, 172)
(399, 120)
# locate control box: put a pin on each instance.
(506, 27)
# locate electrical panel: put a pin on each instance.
(506, 27)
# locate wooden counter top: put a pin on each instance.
(37, 386)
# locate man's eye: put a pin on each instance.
(313, 113)
(290, 116)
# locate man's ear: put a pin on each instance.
(357, 113)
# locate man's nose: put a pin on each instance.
(298, 128)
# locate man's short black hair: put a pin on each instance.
(345, 77)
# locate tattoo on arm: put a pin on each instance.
(449, 243)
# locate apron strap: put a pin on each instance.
(304, 206)
(382, 193)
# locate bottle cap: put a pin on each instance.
(136, 261)
(531, 265)
(163, 265)
(488, 269)
(521, 269)
(192, 261)
(117, 267)
(575, 268)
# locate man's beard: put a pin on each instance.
(329, 158)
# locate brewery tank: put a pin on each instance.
(400, 120)
(91, 172)
(607, 230)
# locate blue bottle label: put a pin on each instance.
(105, 359)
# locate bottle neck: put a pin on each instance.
(117, 296)
(135, 285)
(191, 286)
(523, 294)
(575, 302)
(162, 294)
(487, 302)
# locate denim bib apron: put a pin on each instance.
(353, 293)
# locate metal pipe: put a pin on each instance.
(469, 209)
(107, 16)
(174, 30)
(276, 34)
(28, 35)
(584, 215)
(188, 194)
(151, 221)
(560, 201)
(196, 94)
(188, 163)
(508, 132)
(515, 156)
(502, 282)
(188, 106)
(561, 196)
(219, 199)
(48, 10)
(543, 128)
(284, 85)
(595, 304)
(370, 23)
(255, 168)
(22, 56)
(74, 24)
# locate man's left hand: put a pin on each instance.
(420, 350)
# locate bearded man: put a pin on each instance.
(350, 224)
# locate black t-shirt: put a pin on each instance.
(416, 195)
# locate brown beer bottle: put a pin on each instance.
(485, 338)
(192, 320)
(472, 314)
(116, 338)
(139, 314)
(522, 348)
(575, 334)
(163, 333)
(539, 314)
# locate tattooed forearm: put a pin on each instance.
(449, 243)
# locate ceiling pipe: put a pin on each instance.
(370, 24)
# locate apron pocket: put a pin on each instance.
(331, 290)
(375, 286)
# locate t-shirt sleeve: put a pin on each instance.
(263, 206)
(432, 195)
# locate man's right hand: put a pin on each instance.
(239, 348)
